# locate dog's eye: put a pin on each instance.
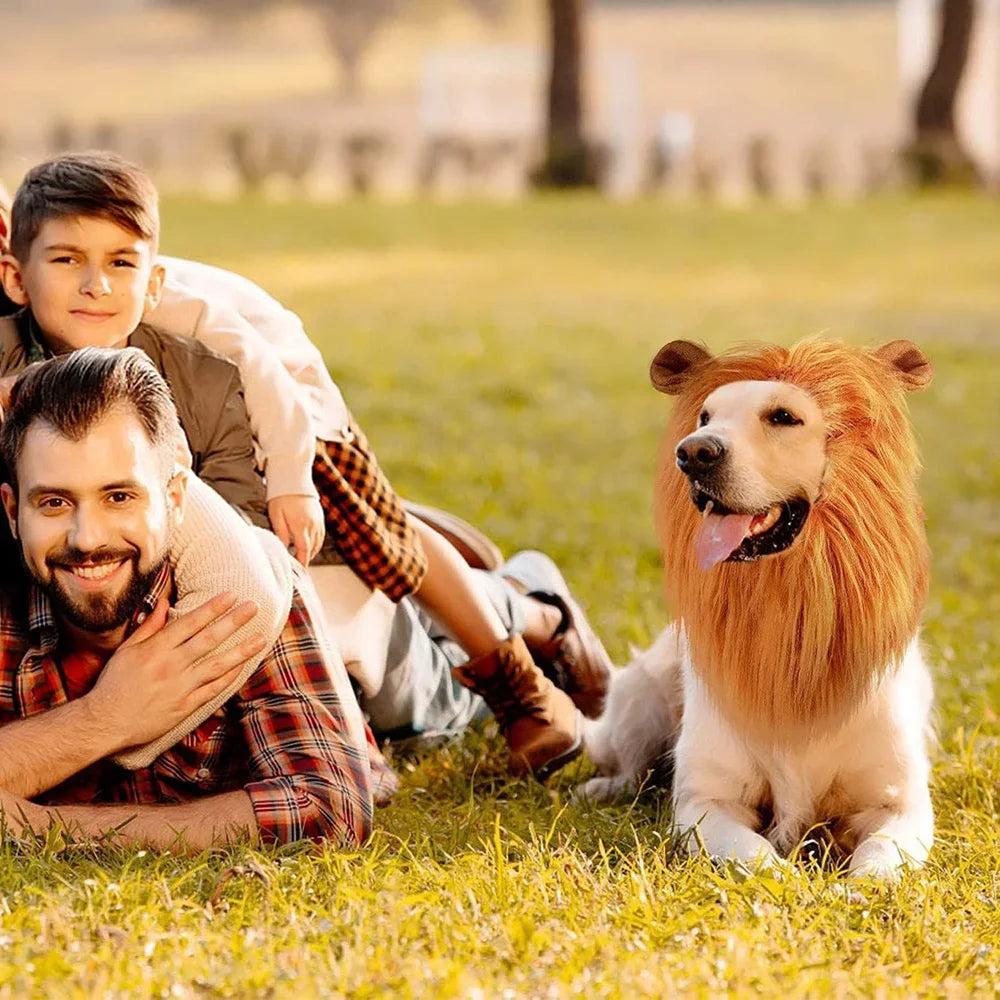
(703, 418)
(782, 418)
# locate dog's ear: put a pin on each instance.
(908, 362)
(674, 364)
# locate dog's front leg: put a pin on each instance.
(893, 819)
(717, 785)
(897, 840)
(723, 830)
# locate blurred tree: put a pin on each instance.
(936, 154)
(348, 25)
(490, 10)
(224, 10)
(568, 161)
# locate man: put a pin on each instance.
(88, 667)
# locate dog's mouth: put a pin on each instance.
(733, 536)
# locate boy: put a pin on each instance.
(83, 239)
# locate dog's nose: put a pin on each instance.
(700, 453)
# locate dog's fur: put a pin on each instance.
(791, 692)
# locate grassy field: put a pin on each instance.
(498, 358)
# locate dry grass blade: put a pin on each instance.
(246, 870)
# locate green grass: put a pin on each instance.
(497, 357)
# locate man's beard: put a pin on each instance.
(99, 612)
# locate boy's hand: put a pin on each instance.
(155, 680)
(298, 520)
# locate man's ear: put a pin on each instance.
(9, 506)
(10, 277)
(154, 290)
(909, 363)
(177, 494)
(674, 365)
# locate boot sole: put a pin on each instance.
(548, 769)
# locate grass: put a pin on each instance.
(497, 357)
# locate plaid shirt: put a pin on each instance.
(282, 738)
(365, 518)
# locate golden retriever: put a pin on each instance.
(790, 692)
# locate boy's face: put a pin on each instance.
(87, 281)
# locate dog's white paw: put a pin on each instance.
(879, 858)
(601, 791)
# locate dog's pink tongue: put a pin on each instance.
(720, 536)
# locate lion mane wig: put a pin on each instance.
(791, 643)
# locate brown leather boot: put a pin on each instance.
(573, 658)
(539, 722)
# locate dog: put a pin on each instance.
(790, 693)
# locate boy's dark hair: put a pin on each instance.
(94, 185)
(75, 391)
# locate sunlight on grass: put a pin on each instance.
(294, 274)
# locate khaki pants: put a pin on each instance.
(400, 657)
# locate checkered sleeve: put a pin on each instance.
(365, 517)
(310, 777)
(13, 646)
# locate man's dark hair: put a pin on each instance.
(94, 185)
(75, 391)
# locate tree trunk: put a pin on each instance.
(350, 74)
(567, 162)
(350, 26)
(937, 154)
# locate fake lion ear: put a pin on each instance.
(674, 365)
(908, 362)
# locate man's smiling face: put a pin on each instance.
(93, 518)
(87, 280)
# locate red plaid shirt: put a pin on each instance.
(282, 738)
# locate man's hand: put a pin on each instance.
(298, 520)
(162, 673)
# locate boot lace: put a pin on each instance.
(510, 691)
